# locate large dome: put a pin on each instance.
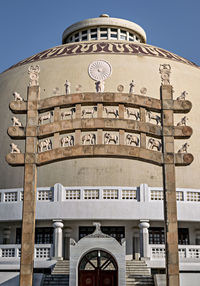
(129, 60)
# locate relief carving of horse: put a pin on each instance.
(111, 110)
(153, 143)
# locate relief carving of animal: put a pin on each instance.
(16, 121)
(89, 111)
(111, 110)
(133, 113)
(183, 121)
(155, 117)
(17, 96)
(132, 139)
(67, 141)
(184, 148)
(45, 145)
(44, 117)
(110, 138)
(89, 138)
(14, 148)
(153, 143)
(182, 96)
(69, 113)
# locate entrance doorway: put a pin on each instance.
(97, 268)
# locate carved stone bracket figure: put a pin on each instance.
(45, 145)
(132, 139)
(89, 138)
(33, 72)
(182, 96)
(16, 122)
(132, 85)
(44, 117)
(110, 138)
(56, 90)
(111, 110)
(99, 86)
(165, 71)
(67, 113)
(67, 141)
(183, 121)
(89, 111)
(67, 87)
(132, 112)
(155, 117)
(14, 148)
(153, 143)
(17, 96)
(184, 148)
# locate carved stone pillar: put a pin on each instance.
(144, 238)
(58, 240)
(67, 234)
(6, 235)
(136, 243)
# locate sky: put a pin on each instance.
(31, 26)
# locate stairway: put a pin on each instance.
(61, 267)
(137, 273)
(59, 275)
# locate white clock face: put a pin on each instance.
(99, 70)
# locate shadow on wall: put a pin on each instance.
(12, 279)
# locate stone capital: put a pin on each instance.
(144, 224)
(58, 224)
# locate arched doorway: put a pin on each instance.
(97, 268)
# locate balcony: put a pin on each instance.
(134, 203)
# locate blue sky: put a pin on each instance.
(28, 27)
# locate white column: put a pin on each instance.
(136, 243)
(67, 234)
(58, 239)
(144, 238)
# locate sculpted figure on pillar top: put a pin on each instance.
(33, 72)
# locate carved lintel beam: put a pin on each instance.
(179, 106)
(19, 107)
(179, 132)
(114, 151)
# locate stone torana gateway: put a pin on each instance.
(100, 183)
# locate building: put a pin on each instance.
(101, 60)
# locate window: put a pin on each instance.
(183, 236)
(157, 236)
(43, 235)
(118, 232)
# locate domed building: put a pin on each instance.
(90, 113)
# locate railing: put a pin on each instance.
(143, 193)
(41, 251)
(157, 251)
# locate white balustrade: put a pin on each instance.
(157, 251)
(144, 193)
(13, 251)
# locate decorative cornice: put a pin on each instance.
(103, 48)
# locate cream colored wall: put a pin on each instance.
(99, 171)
